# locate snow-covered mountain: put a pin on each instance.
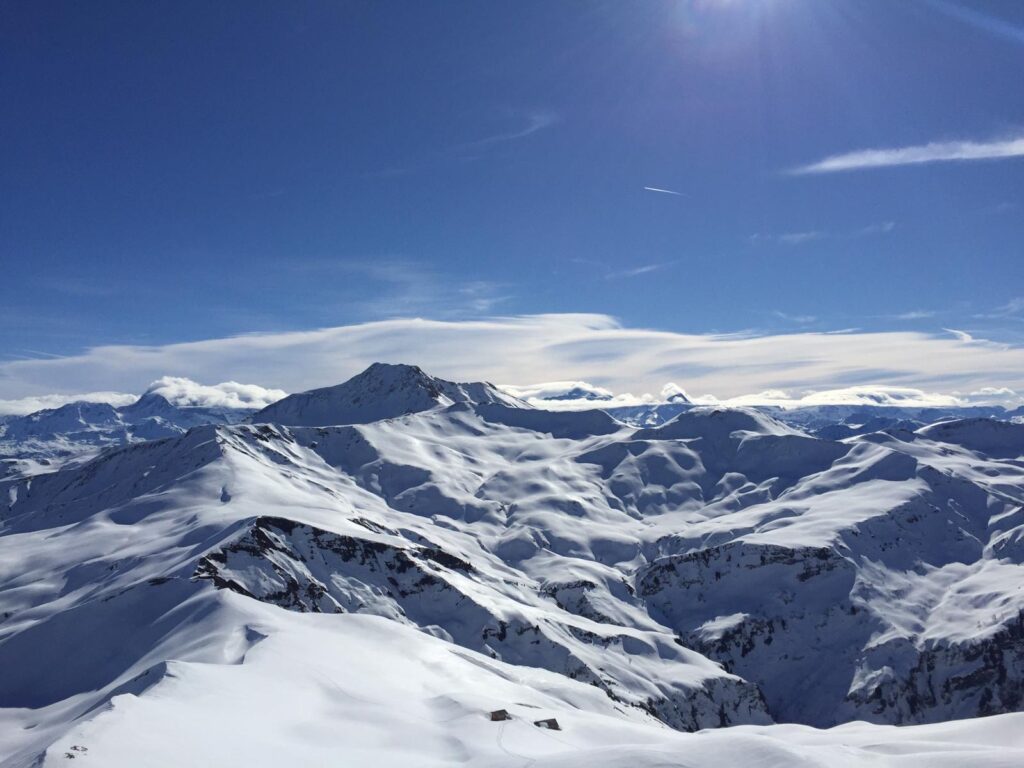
(402, 554)
(382, 391)
(79, 430)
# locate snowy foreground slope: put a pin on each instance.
(353, 690)
(342, 592)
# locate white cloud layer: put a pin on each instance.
(547, 390)
(562, 347)
(879, 395)
(25, 405)
(934, 152)
(543, 398)
(229, 394)
(907, 397)
(177, 390)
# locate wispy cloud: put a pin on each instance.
(1013, 309)
(881, 228)
(914, 314)
(798, 238)
(799, 319)
(1006, 206)
(482, 296)
(979, 20)
(563, 347)
(814, 235)
(664, 191)
(82, 287)
(521, 125)
(959, 335)
(392, 286)
(934, 152)
(601, 268)
(644, 269)
(534, 122)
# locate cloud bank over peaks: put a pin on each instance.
(567, 396)
(559, 348)
(184, 392)
(905, 397)
(23, 406)
(672, 392)
(582, 395)
(558, 390)
(177, 390)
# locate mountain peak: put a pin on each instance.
(396, 375)
(382, 391)
(150, 404)
(380, 368)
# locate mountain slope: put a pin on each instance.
(295, 697)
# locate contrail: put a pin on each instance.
(664, 191)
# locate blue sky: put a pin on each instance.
(174, 172)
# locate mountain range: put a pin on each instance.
(369, 571)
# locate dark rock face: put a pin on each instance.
(299, 562)
(792, 621)
(769, 614)
(303, 568)
(974, 679)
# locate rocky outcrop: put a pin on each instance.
(779, 617)
(899, 682)
(303, 568)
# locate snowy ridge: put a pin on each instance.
(523, 560)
